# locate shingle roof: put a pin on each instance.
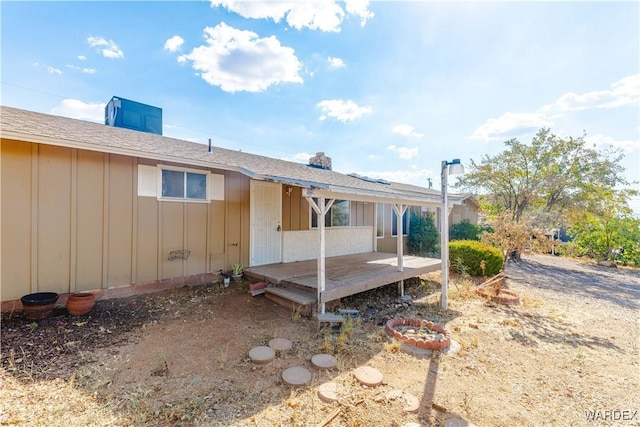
(43, 128)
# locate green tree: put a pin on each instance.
(546, 179)
(423, 234)
(614, 237)
(464, 230)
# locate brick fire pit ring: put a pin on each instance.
(418, 333)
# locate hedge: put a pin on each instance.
(467, 255)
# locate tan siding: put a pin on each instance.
(287, 209)
(172, 238)
(369, 214)
(147, 247)
(196, 240)
(16, 219)
(217, 236)
(120, 220)
(89, 220)
(54, 211)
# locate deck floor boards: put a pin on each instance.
(348, 274)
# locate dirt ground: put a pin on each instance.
(567, 355)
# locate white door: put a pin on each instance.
(265, 217)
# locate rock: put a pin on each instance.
(607, 263)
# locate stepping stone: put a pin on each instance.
(280, 344)
(409, 401)
(324, 361)
(296, 375)
(331, 392)
(457, 422)
(368, 376)
(262, 354)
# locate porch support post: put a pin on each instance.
(400, 209)
(321, 208)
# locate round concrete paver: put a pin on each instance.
(410, 403)
(368, 376)
(296, 375)
(324, 361)
(262, 354)
(331, 392)
(280, 344)
(457, 422)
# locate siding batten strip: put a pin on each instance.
(73, 223)
(35, 158)
(105, 221)
(134, 223)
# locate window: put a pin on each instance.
(338, 215)
(171, 183)
(405, 223)
(379, 220)
(184, 185)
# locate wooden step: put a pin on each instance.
(302, 302)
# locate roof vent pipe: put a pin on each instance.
(209, 144)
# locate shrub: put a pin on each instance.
(471, 254)
(464, 230)
(423, 234)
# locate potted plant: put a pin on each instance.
(237, 271)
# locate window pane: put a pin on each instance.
(380, 219)
(340, 213)
(196, 186)
(172, 183)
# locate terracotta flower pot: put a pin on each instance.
(80, 303)
(38, 306)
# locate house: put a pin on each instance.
(86, 206)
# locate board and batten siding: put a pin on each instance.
(71, 220)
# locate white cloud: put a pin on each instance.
(108, 48)
(80, 110)
(511, 125)
(300, 158)
(606, 141)
(52, 70)
(343, 111)
(336, 62)
(85, 70)
(323, 15)
(360, 8)
(237, 60)
(625, 91)
(81, 57)
(406, 130)
(405, 153)
(413, 176)
(174, 43)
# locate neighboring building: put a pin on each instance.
(86, 206)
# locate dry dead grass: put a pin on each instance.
(53, 403)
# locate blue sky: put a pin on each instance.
(386, 89)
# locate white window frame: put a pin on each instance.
(150, 183)
(329, 213)
(380, 220)
(405, 230)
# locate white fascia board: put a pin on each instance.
(372, 198)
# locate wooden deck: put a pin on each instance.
(345, 275)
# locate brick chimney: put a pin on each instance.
(320, 161)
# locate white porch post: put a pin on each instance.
(456, 168)
(321, 209)
(400, 209)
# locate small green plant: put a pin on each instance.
(33, 326)
(237, 269)
(460, 266)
